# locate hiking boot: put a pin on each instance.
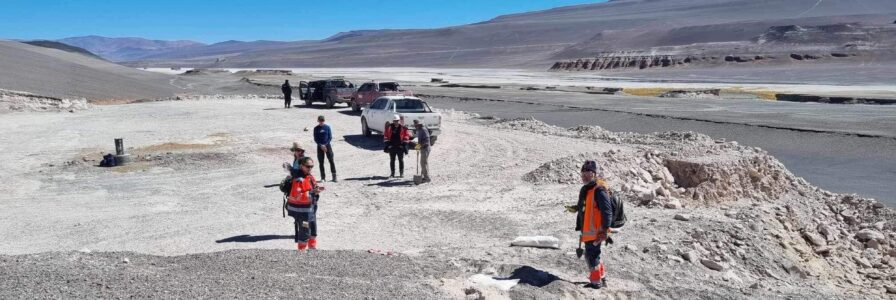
(334, 178)
(301, 246)
(426, 180)
(312, 244)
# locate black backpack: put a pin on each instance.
(286, 185)
(618, 211)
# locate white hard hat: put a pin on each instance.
(396, 118)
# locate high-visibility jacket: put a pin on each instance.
(404, 134)
(299, 193)
(593, 223)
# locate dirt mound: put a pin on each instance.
(674, 168)
(12, 101)
(205, 72)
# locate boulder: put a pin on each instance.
(536, 242)
(869, 234)
(814, 239)
(682, 217)
(712, 265)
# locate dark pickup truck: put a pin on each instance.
(330, 91)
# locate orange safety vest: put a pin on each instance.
(593, 219)
(298, 194)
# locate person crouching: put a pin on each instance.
(302, 205)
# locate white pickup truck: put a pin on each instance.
(375, 116)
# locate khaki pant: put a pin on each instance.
(424, 162)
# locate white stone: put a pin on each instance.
(868, 234)
(536, 241)
(682, 217)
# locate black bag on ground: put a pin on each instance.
(108, 161)
(618, 211)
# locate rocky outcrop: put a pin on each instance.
(627, 61)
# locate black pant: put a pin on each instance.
(287, 100)
(302, 233)
(320, 162)
(396, 151)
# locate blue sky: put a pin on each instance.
(215, 21)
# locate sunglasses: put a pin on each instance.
(308, 166)
(299, 150)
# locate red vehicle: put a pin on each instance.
(371, 91)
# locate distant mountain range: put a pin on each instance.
(537, 39)
(127, 48)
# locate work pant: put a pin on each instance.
(396, 151)
(595, 264)
(303, 233)
(320, 162)
(287, 100)
(424, 162)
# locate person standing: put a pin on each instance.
(298, 153)
(323, 135)
(287, 94)
(302, 205)
(594, 216)
(396, 138)
(423, 145)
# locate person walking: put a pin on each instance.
(302, 205)
(287, 94)
(323, 135)
(594, 216)
(396, 138)
(423, 145)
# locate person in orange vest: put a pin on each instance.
(396, 137)
(595, 214)
(302, 205)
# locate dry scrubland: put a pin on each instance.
(708, 218)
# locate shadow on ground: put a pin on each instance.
(245, 238)
(350, 113)
(532, 276)
(368, 178)
(393, 183)
(367, 143)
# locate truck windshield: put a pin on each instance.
(410, 106)
(388, 87)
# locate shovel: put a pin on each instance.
(579, 250)
(418, 179)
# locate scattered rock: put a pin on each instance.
(691, 256)
(682, 217)
(868, 234)
(712, 265)
(824, 251)
(873, 244)
(126, 260)
(891, 289)
(813, 238)
(731, 276)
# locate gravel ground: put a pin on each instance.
(195, 193)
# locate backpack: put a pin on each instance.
(286, 185)
(108, 161)
(618, 211)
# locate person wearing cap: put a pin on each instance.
(298, 153)
(323, 136)
(423, 145)
(301, 205)
(594, 216)
(396, 138)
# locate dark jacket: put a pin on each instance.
(602, 197)
(286, 89)
(323, 135)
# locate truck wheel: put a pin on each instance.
(364, 128)
(331, 102)
(355, 106)
(432, 140)
(308, 102)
